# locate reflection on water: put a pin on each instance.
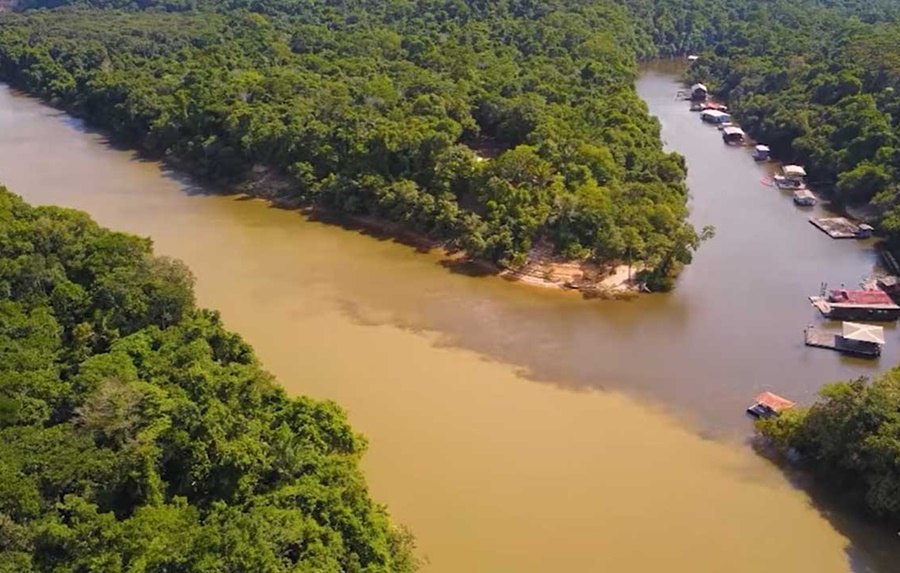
(464, 385)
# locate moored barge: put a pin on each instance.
(857, 304)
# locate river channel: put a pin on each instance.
(515, 429)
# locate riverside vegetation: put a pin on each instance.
(137, 434)
(820, 83)
(494, 126)
(851, 440)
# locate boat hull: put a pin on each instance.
(855, 312)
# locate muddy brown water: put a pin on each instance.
(512, 428)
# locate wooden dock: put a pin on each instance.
(819, 338)
(836, 227)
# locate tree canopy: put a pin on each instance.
(494, 125)
(851, 439)
(816, 80)
(138, 435)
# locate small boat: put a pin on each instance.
(804, 198)
(761, 153)
(864, 231)
(715, 116)
(711, 105)
(783, 182)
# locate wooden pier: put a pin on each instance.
(837, 227)
(820, 338)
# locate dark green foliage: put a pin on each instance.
(492, 124)
(136, 434)
(851, 438)
(817, 80)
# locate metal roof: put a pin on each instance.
(696, 87)
(774, 401)
(794, 171)
(762, 148)
(732, 130)
(863, 332)
(714, 113)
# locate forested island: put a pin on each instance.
(497, 127)
(137, 434)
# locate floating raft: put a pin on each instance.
(856, 339)
(842, 228)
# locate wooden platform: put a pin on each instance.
(836, 227)
(833, 341)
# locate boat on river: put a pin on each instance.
(715, 116)
(713, 106)
(733, 135)
(804, 198)
(856, 304)
(761, 153)
(792, 177)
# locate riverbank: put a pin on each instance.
(466, 388)
(542, 268)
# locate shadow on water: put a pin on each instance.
(874, 545)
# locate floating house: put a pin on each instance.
(761, 153)
(699, 92)
(857, 339)
(804, 198)
(856, 304)
(733, 135)
(714, 116)
(792, 177)
(768, 405)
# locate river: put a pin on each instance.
(513, 428)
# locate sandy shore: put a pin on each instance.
(542, 268)
(545, 270)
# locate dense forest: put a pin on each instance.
(820, 83)
(851, 439)
(137, 434)
(493, 125)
